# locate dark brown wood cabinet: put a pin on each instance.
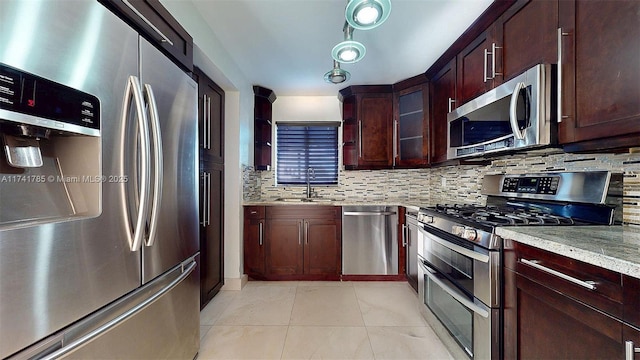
(253, 244)
(475, 70)
(411, 114)
(600, 76)
(293, 242)
(211, 168)
(442, 89)
(262, 130)
(158, 26)
(549, 317)
(524, 36)
(367, 113)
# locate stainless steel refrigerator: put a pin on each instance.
(98, 217)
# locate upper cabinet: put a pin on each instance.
(476, 68)
(158, 26)
(411, 109)
(210, 119)
(263, 100)
(443, 100)
(600, 76)
(368, 135)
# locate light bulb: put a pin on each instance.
(348, 54)
(367, 15)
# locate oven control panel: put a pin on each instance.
(531, 185)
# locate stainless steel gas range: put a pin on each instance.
(460, 257)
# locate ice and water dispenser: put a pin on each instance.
(50, 162)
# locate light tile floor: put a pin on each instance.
(317, 320)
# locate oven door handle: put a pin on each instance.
(457, 248)
(454, 293)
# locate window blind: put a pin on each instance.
(300, 147)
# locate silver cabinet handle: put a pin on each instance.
(208, 199)
(204, 121)
(208, 123)
(146, 21)
(405, 229)
(126, 315)
(299, 232)
(396, 142)
(535, 263)
(560, 35)
(306, 232)
(513, 114)
(630, 350)
(493, 60)
(451, 101)
(360, 138)
(485, 78)
(260, 233)
(157, 164)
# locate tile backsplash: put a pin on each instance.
(454, 184)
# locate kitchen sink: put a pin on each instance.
(296, 199)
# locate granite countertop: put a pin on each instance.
(615, 247)
(413, 204)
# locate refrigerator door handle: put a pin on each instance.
(72, 346)
(133, 90)
(157, 164)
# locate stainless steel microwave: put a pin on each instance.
(515, 115)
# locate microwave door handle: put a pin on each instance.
(513, 115)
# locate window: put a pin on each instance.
(300, 147)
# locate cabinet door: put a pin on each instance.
(600, 72)
(211, 119)
(474, 68)
(550, 325)
(254, 245)
(412, 126)
(284, 246)
(375, 125)
(443, 93)
(525, 35)
(630, 334)
(212, 235)
(322, 248)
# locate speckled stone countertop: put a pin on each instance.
(615, 248)
(414, 204)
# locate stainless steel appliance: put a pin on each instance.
(99, 210)
(459, 255)
(369, 240)
(515, 115)
(410, 243)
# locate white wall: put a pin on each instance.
(213, 60)
(307, 108)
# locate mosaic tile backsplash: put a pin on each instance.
(454, 184)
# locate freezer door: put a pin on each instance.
(176, 99)
(55, 273)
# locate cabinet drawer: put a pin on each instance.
(304, 212)
(572, 277)
(254, 212)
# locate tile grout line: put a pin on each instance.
(366, 329)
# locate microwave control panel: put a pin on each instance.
(46, 103)
(547, 185)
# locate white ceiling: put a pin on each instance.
(285, 45)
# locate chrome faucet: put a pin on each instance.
(310, 173)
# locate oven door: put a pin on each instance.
(472, 324)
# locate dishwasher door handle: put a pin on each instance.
(368, 213)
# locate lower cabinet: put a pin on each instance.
(293, 243)
(547, 316)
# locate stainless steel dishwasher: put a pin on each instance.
(370, 240)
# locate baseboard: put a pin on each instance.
(235, 283)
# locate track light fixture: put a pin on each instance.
(348, 51)
(367, 14)
(336, 75)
